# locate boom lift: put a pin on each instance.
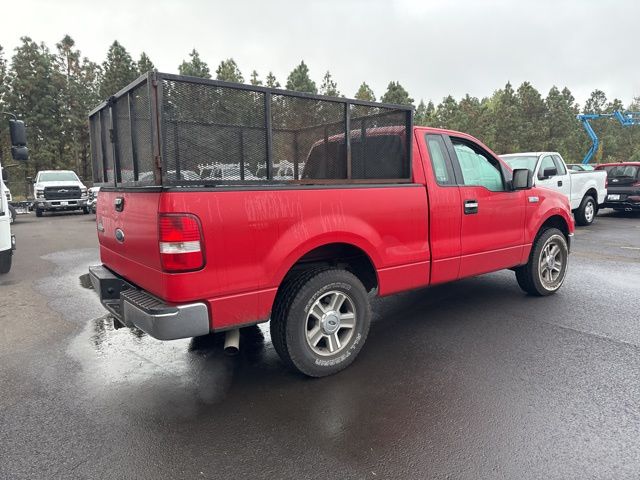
(626, 119)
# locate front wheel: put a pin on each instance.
(86, 210)
(546, 269)
(586, 212)
(38, 212)
(320, 321)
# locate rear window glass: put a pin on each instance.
(630, 171)
(524, 161)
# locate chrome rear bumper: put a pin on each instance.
(137, 308)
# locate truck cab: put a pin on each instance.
(585, 189)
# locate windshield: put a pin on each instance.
(521, 161)
(617, 171)
(62, 176)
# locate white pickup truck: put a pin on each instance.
(57, 190)
(585, 190)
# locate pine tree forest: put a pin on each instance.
(52, 88)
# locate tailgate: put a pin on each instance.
(127, 223)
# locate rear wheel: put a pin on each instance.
(5, 261)
(38, 212)
(320, 321)
(546, 269)
(586, 212)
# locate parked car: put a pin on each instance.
(59, 190)
(585, 190)
(580, 167)
(390, 210)
(623, 188)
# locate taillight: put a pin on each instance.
(181, 245)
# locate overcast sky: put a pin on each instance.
(434, 48)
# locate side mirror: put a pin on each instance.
(522, 179)
(549, 172)
(18, 133)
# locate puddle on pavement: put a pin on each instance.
(126, 367)
(156, 376)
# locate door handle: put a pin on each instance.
(470, 207)
(559, 183)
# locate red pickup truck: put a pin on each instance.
(372, 206)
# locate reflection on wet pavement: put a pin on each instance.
(146, 373)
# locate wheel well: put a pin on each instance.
(593, 193)
(556, 221)
(342, 255)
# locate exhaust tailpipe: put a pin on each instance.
(628, 209)
(232, 342)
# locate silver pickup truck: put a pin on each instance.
(57, 190)
(586, 190)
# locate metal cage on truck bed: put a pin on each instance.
(175, 130)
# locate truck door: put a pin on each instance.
(492, 226)
(444, 207)
(560, 182)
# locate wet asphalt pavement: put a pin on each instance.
(470, 380)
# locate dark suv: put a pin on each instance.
(623, 186)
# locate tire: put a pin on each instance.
(537, 276)
(13, 213)
(308, 333)
(587, 211)
(5, 261)
(86, 210)
(38, 212)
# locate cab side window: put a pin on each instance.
(440, 164)
(478, 168)
(547, 162)
(559, 165)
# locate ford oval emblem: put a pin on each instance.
(119, 235)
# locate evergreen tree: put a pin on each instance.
(563, 128)
(195, 67)
(34, 95)
(118, 70)
(255, 80)
(329, 87)
(447, 113)
(397, 94)
(365, 93)
(228, 71)
(78, 96)
(4, 87)
(300, 81)
(531, 111)
(420, 117)
(272, 82)
(596, 102)
(145, 64)
(504, 112)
